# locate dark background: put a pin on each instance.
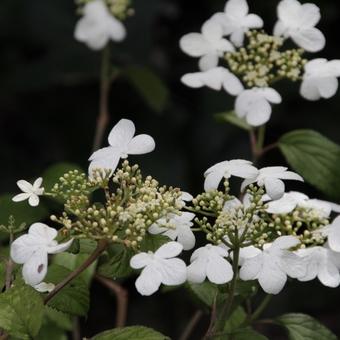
(48, 109)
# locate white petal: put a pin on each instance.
(122, 133)
(194, 44)
(43, 232)
(247, 182)
(311, 15)
(35, 269)
(187, 197)
(293, 265)
(212, 31)
(33, 200)
(247, 253)
(148, 281)
(291, 176)
(271, 95)
(275, 188)
(236, 8)
(309, 90)
(251, 268)
(279, 29)
(116, 29)
(193, 80)
(288, 11)
(237, 37)
(243, 169)
(21, 197)
(219, 270)
(168, 250)
(59, 248)
(329, 275)
(334, 235)
(196, 271)
(232, 84)
(285, 205)
(140, 260)
(174, 272)
(22, 248)
(208, 61)
(327, 87)
(253, 21)
(107, 158)
(214, 78)
(285, 242)
(186, 237)
(44, 287)
(141, 144)
(213, 180)
(25, 186)
(37, 183)
(310, 39)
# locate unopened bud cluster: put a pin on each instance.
(260, 63)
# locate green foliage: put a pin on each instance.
(153, 242)
(231, 118)
(205, 293)
(21, 312)
(304, 327)
(51, 332)
(314, 157)
(131, 333)
(247, 333)
(60, 319)
(149, 85)
(2, 275)
(235, 320)
(74, 298)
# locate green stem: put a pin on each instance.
(260, 138)
(259, 310)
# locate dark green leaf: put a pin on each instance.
(131, 333)
(21, 312)
(304, 327)
(235, 320)
(205, 292)
(149, 85)
(51, 332)
(231, 118)
(247, 334)
(60, 319)
(314, 157)
(153, 242)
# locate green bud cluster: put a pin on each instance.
(260, 63)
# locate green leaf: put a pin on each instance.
(51, 332)
(21, 312)
(205, 292)
(247, 334)
(131, 333)
(74, 298)
(304, 327)
(60, 319)
(2, 275)
(314, 157)
(231, 118)
(21, 211)
(149, 86)
(153, 242)
(235, 320)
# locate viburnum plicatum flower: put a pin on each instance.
(320, 79)
(236, 167)
(176, 227)
(44, 287)
(254, 105)
(159, 268)
(30, 192)
(32, 251)
(210, 262)
(298, 22)
(208, 45)
(332, 231)
(272, 265)
(122, 143)
(236, 20)
(271, 178)
(321, 263)
(98, 26)
(216, 79)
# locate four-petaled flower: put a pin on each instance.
(271, 178)
(254, 105)
(122, 143)
(176, 227)
(98, 26)
(236, 20)
(320, 79)
(272, 265)
(209, 45)
(210, 262)
(160, 267)
(236, 167)
(32, 251)
(30, 192)
(297, 21)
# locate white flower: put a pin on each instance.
(210, 262)
(216, 79)
(32, 251)
(254, 105)
(209, 45)
(44, 287)
(122, 143)
(271, 266)
(176, 227)
(236, 21)
(297, 21)
(159, 268)
(185, 197)
(30, 192)
(320, 79)
(332, 231)
(322, 263)
(236, 167)
(271, 178)
(98, 26)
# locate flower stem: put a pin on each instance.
(102, 244)
(259, 310)
(191, 325)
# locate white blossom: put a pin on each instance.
(122, 143)
(236, 20)
(160, 267)
(236, 167)
(332, 231)
(216, 79)
(176, 227)
(30, 192)
(272, 265)
(320, 79)
(209, 262)
(208, 45)
(321, 263)
(32, 251)
(298, 22)
(271, 178)
(185, 197)
(254, 105)
(98, 26)
(44, 287)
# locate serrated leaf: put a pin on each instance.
(149, 85)
(304, 327)
(231, 118)
(60, 319)
(131, 333)
(21, 312)
(74, 298)
(153, 242)
(206, 292)
(51, 332)
(314, 157)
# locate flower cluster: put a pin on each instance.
(252, 61)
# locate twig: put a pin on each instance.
(259, 310)
(102, 244)
(121, 296)
(212, 319)
(191, 325)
